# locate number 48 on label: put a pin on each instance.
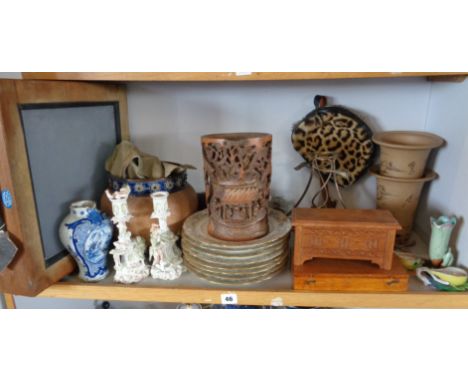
(229, 299)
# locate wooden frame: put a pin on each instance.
(232, 76)
(27, 274)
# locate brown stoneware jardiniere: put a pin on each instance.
(403, 154)
(401, 197)
(182, 201)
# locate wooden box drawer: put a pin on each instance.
(345, 275)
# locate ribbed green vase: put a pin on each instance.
(441, 230)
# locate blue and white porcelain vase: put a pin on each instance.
(87, 233)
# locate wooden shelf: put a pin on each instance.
(232, 76)
(190, 289)
(278, 291)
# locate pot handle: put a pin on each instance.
(422, 274)
(320, 101)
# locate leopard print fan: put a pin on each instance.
(337, 133)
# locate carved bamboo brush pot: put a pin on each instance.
(237, 184)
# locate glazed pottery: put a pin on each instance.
(142, 187)
(439, 250)
(401, 197)
(182, 201)
(237, 184)
(451, 278)
(164, 252)
(87, 233)
(403, 154)
(409, 261)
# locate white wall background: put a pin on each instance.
(167, 119)
(447, 116)
(10, 75)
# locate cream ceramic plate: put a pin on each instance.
(216, 273)
(232, 252)
(221, 258)
(189, 255)
(196, 229)
(235, 263)
(247, 274)
(236, 268)
(237, 280)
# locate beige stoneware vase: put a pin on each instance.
(401, 197)
(403, 154)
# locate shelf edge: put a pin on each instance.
(229, 76)
(410, 299)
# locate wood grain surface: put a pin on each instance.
(230, 76)
(349, 275)
(281, 295)
(27, 273)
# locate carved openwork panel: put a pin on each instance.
(348, 234)
(344, 240)
(343, 244)
(237, 184)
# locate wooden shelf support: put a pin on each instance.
(9, 301)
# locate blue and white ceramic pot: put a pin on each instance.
(87, 233)
(177, 181)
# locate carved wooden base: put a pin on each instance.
(347, 275)
(380, 262)
(242, 233)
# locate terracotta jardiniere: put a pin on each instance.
(403, 154)
(237, 184)
(401, 197)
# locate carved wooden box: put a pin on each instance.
(344, 234)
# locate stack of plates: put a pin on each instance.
(235, 263)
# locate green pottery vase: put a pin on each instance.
(439, 250)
